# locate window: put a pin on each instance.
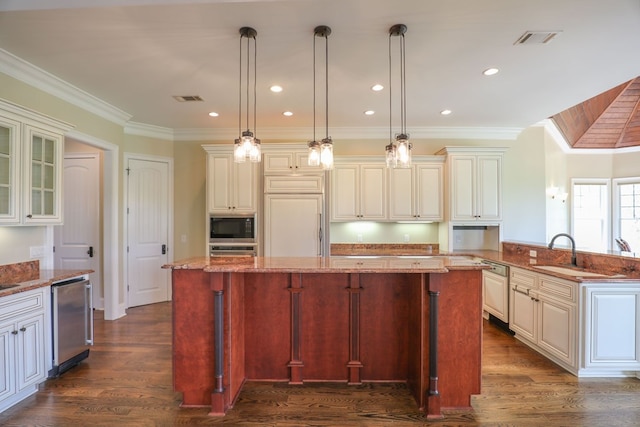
(627, 211)
(590, 211)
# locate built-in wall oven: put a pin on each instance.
(233, 235)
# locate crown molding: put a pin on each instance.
(151, 131)
(28, 73)
(202, 134)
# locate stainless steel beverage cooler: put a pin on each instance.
(72, 323)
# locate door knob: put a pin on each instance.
(90, 252)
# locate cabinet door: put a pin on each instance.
(43, 177)
(488, 197)
(244, 187)
(31, 354)
(9, 171)
(373, 192)
(401, 194)
(556, 329)
(463, 184)
(612, 328)
(278, 163)
(523, 315)
(429, 192)
(7, 361)
(219, 182)
(345, 184)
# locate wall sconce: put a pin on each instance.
(554, 193)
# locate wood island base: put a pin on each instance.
(424, 329)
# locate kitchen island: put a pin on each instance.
(416, 320)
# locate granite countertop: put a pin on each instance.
(333, 264)
(27, 275)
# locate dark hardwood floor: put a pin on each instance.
(127, 382)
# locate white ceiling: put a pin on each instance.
(137, 54)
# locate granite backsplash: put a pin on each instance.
(20, 272)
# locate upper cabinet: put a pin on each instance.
(474, 177)
(359, 192)
(31, 147)
(417, 193)
(288, 159)
(231, 187)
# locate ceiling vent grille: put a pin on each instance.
(537, 37)
(187, 98)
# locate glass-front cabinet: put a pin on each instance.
(9, 177)
(31, 149)
(44, 151)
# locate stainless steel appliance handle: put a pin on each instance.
(320, 235)
(88, 307)
(515, 288)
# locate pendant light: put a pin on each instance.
(398, 151)
(247, 146)
(321, 153)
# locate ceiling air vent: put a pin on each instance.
(537, 37)
(187, 98)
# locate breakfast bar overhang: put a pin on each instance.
(416, 320)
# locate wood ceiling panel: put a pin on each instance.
(608, 120)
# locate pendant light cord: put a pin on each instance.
(255, 85)
(314, 88)
(390, 96)
(326, 84)
(403, 87)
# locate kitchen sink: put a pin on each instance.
(575, 272)
(5, 286)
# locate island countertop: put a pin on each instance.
(334, 264)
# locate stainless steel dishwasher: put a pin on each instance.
(72, 323)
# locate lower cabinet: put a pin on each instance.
(23, 341)
(495, 295)
(611, 327)
(543, 315)
(591, 329)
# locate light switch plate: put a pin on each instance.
(36, 251)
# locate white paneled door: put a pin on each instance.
(77, 242)
(147, 231)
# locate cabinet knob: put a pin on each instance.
(23, 329)
(14, 332)
(29, 216)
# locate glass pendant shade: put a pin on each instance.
(326, 154)
(314, 154)
(239, 155)
(390, 155)
(255, 152)
(403, 151)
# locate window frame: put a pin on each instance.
(608, 203)
(615, 219)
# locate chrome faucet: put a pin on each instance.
(573, 247)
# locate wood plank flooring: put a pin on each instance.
(127, 382)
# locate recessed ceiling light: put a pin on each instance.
(377, 87)
(490, 71)
(445, 112)
(369, 113)
(214, 114)
(276, 88)
(287, 113)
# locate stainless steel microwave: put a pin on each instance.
(239, 228)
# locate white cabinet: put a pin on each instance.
(417, 193)
(542, 313)
(288, 160)
(474, 184)
(23, 343)
(31, 148)
(359, 192)
(611, 325)
(231, 187)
